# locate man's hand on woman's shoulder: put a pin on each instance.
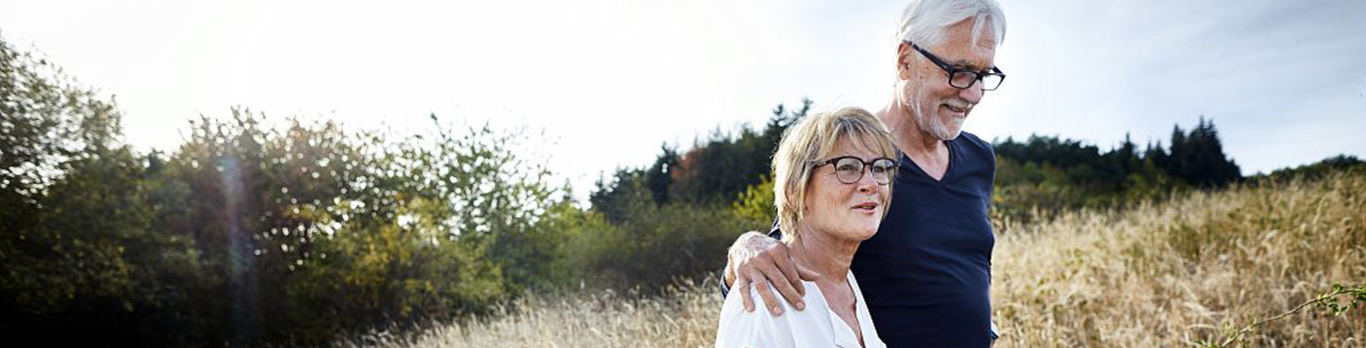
(761, 260)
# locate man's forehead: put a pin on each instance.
(963, 47)
(979, 56)
(978, 62)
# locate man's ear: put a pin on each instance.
(903, 61)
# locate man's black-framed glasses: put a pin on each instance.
(849, 169)
(961, 78)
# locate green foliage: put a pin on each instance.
(80, 219)
(250, 235)
(654, 247)
(631, 242)
(45, 121)
(756, 206)
(1313, 171)
(659, 177)
(616, 199)
(717, 170)
(1327, 301)
(1198, 157)
(378, 233)
(1043, 176)
(674, 219)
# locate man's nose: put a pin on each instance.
(973, 94)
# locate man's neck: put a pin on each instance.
(917, 143)
(926, 150)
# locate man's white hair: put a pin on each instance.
(925, 21)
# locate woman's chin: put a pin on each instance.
(858, 229)
(867, 232)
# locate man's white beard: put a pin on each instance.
(935, 125)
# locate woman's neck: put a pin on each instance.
(828, 256)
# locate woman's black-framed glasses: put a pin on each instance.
(849, 169)
(963, 78)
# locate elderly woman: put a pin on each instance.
(832, 185)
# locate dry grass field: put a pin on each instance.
(1157, 275)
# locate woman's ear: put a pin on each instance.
(792, 199)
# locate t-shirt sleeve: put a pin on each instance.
(775, 232)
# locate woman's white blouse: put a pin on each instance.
(817, 326)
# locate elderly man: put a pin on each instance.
(926, 274)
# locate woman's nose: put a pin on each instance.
(866, 182)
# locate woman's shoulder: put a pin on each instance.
(760, 328)
(739, 328)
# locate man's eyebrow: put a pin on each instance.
(964, 64)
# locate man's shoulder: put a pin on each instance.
(974, 144)
(967, 138)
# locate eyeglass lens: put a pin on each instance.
(849, 170)
(964, 79)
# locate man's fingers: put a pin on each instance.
(767, 295)
(742, 286)
(807, 273)
(762, 262)
(784, 285)
(791, 279)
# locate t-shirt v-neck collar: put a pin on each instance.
(909, 163)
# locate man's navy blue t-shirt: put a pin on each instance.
(926, 274)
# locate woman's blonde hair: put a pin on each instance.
(810, 141)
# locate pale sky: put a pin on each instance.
(609, 81)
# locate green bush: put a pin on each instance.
(648, 246)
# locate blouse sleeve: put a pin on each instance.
(758, 329)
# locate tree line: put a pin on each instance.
(1036, 177)
(1044, 175)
